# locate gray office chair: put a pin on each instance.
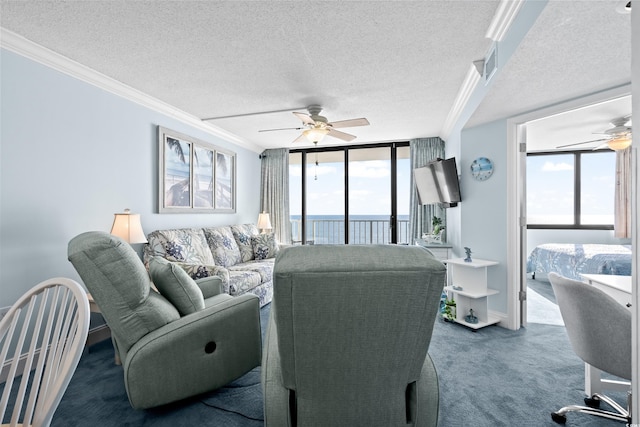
(348, 336)
(599, 330)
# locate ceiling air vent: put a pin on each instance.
(623, 6)
(490, 64)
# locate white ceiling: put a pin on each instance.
(574, 48)
(400, 64)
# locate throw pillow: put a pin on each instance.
(223, 246)
(243, 233)
(175, 285)
(184, 244)
(264, 246)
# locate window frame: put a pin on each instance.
(577, 196)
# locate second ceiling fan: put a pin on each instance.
(618, 137)
(316, 127)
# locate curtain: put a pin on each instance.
(423, 151)
(622, 209)
(274, 191)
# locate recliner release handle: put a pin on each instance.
(210, 347)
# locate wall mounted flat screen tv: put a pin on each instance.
(437, 182)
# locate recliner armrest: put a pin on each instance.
(196, 353)
(210, 286)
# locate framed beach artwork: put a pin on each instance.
(194, 176)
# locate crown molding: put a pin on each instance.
(500, 24)
(24, 47)
(469, 85)
(502, 20)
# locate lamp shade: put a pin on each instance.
(127, 226)
(264, 223)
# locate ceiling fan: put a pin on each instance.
(617, 137)
(316, 127)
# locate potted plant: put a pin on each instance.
(449, 312)
(436, 229)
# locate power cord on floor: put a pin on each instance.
(231, 411)
(241, 386)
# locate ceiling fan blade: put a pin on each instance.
(350, 123)
(300, 138)
(581, 143)
(341, 135)
(306, 119)
(601, 146)
(271, 130)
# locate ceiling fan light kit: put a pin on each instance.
(315, 135)
(317, 126)
(619, 143)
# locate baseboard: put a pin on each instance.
(504, 319)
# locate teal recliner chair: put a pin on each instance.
(347, 339)
(167, 355)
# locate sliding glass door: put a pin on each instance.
(354, 194)
(369, 192)
(324, 191)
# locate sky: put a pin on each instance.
(550, 188)
(369, 188)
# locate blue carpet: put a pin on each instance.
(492, 377)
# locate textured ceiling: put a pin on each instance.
(573, 49)
(400, 64)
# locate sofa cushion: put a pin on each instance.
(264, 246)
(242, 281)
(175, 284)
(243, 233)
(198, 271)
(184, 245)
(263, 267)
(223, 246)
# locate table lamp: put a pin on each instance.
(264, 223)
(127, 226)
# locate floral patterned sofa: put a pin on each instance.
(237, 254)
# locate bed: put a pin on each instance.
(571, 260)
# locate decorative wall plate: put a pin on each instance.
(481, 168)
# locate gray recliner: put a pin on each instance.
(347, 339)
(166, 356)
(599, 330)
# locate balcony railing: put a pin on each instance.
(361, 231)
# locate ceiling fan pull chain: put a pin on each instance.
(316, 169)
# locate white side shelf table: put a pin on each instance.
(468, 285)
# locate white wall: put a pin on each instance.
(483, 208)
(71, 156)
(479, 221)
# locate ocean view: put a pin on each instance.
(363, 229)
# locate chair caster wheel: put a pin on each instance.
(592, 402)
(560, 419)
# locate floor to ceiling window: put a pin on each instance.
(354, 194)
